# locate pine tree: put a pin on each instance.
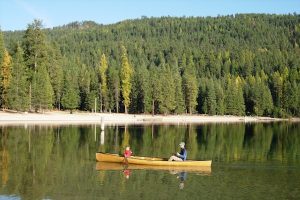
(220, 97)
(84, 82)
(230, 106)
(42, 92)
(180, 106)
(5, 78)
(210, 99)
(70, 99)
(35, 55)
(114, 89)
(239, 100)
(18, 90)
(54, 66)
(103, 82)
(190, 86)
(167, 100)
(140, 90)
(126, 78)
(145, 88)
(155, 84)
(277, 93)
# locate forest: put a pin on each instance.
(243, 64)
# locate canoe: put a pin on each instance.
(110, 166)
(137, 160)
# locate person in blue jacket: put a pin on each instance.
(180, 156)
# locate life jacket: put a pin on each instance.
(127, 153)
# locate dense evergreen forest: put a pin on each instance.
(245, 64)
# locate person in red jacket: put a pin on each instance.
(127, 154)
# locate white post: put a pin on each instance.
(102, 124)
(102, 137)
(95, 104)
(95, 132)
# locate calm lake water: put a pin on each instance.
(250, 161)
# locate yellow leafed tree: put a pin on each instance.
(103, 79)
(126, 76)
(5, 78)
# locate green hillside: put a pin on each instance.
(246, 64)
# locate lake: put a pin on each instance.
(250, 161)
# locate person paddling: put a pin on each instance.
(180, 156)
(127, 154)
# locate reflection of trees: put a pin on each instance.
(60, 160)
(4, 156)
(257, 143)
(221, 142)
(285, 144)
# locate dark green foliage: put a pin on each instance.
(84, 82)
(18, 90)
(42, 91)
(210, 100)
(190, 86)
(114, 89)
(55, 64)
(70, 98)
(240, 64)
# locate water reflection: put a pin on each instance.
(108, 166)
(181, 176)
(126, 171)
(37, 162)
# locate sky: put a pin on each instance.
(17, 14)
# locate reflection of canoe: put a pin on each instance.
(120, 166)
(106, 157)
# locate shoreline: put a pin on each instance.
(62, 117)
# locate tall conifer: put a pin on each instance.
(18, 89)
(126, 78)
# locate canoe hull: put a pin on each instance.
(105, 157)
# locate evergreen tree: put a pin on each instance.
(239, 100)
(93, 101)
(277, 93)
(230, 106)
(126, 78)
(84, 83)
(42, 92)
(180, 106)
(5, 78)
(70, 99)
(140, 90)
(190, 86)
(55, 69)
(220, 97)
(114, 89)
(35, 55)
(168, 91)
(155, 88)
(293, 97)
(18, 90)
(210, 99)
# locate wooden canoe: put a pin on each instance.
(103, 166)
(137, 160)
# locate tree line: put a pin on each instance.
(246, 64)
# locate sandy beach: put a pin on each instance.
(61, 117)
